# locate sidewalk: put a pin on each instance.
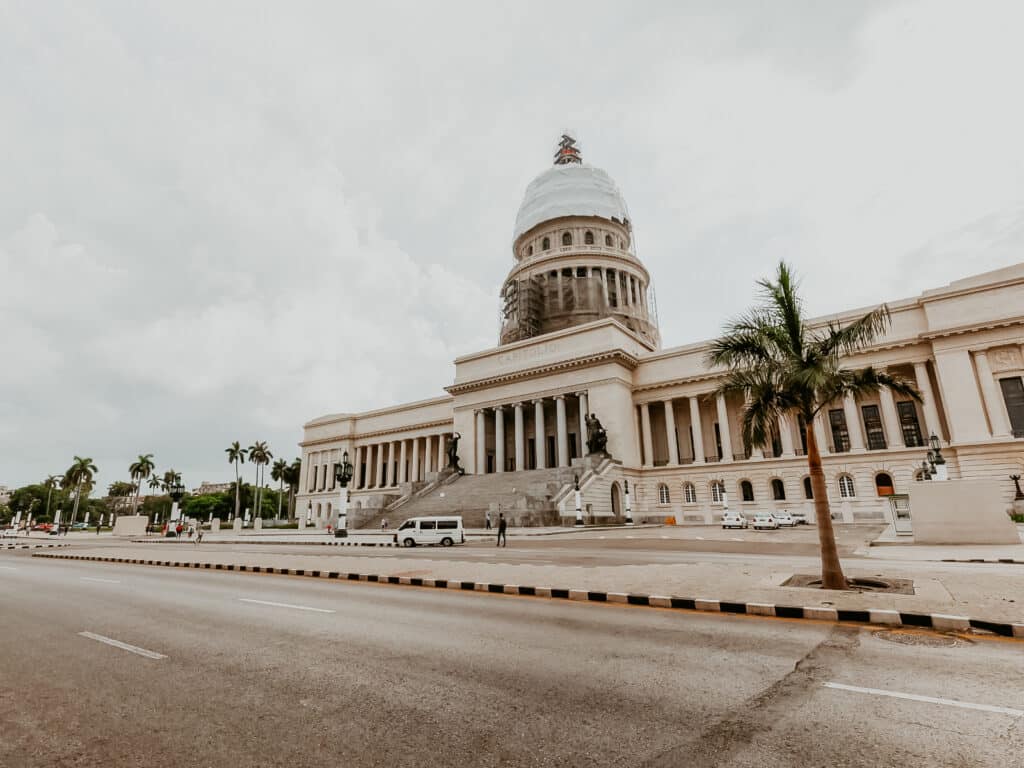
(992, 593)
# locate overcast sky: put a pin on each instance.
(219, 220)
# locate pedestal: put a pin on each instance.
(257, 524)
(237, 524)
(215, 524)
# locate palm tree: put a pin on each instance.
(140, 470)
(79, 474)
(155, 482)
(259, 454)
(51, 482)
(292, 475)
(277, 472)
(236, 454)
(782, 366)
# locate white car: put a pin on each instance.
(763, 520)
(784, 519)
(734, 520)
(9, 532)
(445, 531)
(799, 518)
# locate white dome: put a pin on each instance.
(570, 190)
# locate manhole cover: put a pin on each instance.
(856, 583)
(919, 638)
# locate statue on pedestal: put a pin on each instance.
(597, 438)
(453, 454)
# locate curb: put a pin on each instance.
(871, 616)
(33, 546)
(279, 543)
(999, 561)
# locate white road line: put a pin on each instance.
(7, 568)
(123, 646)
(928, 699)
(699, 538)
(286, 605)
(104, 581)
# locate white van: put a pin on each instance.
(445, 531)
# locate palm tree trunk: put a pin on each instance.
(280, 496)
(238, 487)
(831, 570)
(78, 495)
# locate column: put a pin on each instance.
(924, 386)
(499, 439)
(698, 433)
(538, 428)
(561, 300)
(377, 469)
(890, 419)
(604, 286)
(520, 438)
(481, 447)
(415, 475)
(670, 435)
(562, 431)
(389, 469)
(360, 458)
(441, 451)
(582, 397)
(853, 424)
(819, 433)
(403, 472)
(724, 429)
(645, 429)
(427, 454)
(997, 418)
(786, 435)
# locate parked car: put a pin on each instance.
(445, 531)
(42, 527)
(734, 520)
(799, 518)
(9, 532)
(764, 521)
(79, 526)
(784, 519)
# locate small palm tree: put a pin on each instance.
(51, 482)
(259, 454)
(236, 454)
(782, 366)
(79, 476)
(140, 470)
(277, 472)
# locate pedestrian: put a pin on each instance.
(487, 520)
(97, 527)
(384, 524)
(502, 535)
(199, 537)
(177, 531)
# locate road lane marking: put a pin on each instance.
(286, 605)
(7, 568)
(123, 646)
(928, 699)
(104, 581)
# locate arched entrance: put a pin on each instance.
(616, 500)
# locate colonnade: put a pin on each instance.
(382, 464)
(529, 446)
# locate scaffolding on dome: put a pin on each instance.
(521, 310)
(567, 151)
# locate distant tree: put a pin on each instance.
(277, 472)
(79, 476)
(140, 469)
(236, 454)
(260, 455)
(292, 476)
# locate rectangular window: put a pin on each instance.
(840, 434)
(718, 441)
(613, 291)
(531, 453)
(1013, 396)
(776, 444)
(572, 446)
(428, 525)
(873, 427)
(693, 452)
(552, 455)
(447, 524)
(803, 434)
(909, 425)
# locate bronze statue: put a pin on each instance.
(597, 438)
(453, 454)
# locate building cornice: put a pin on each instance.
(357, 436)
(959, 330)
(620, 356)
(334, 418)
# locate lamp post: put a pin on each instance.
(579, 499)
(176, 491)
(936, 460)
(629, 504)
(343, 475)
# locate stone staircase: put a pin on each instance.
(524, 497)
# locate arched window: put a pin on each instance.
(846, 489)
(566, 238)
(663, 497)
(778, 490)
(808, 493)
(545, 243)
(529, 251)
(746, 490)
(884, 485)
(608, 240)
(717, 491)
(588, 238)
(689, 493)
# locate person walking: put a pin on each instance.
(199, 536)
(502, 535)
(487, 520)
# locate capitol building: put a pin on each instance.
(579, 336)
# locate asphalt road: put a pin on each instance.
(241, 670)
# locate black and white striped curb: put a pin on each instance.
(280, 543)
(1000, 561)
(32, 546)
(872, 616)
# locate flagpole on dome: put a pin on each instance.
(567, 152)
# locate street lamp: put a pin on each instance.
(629, 504)
(176, 491)
(579, 505)
(343, 475)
